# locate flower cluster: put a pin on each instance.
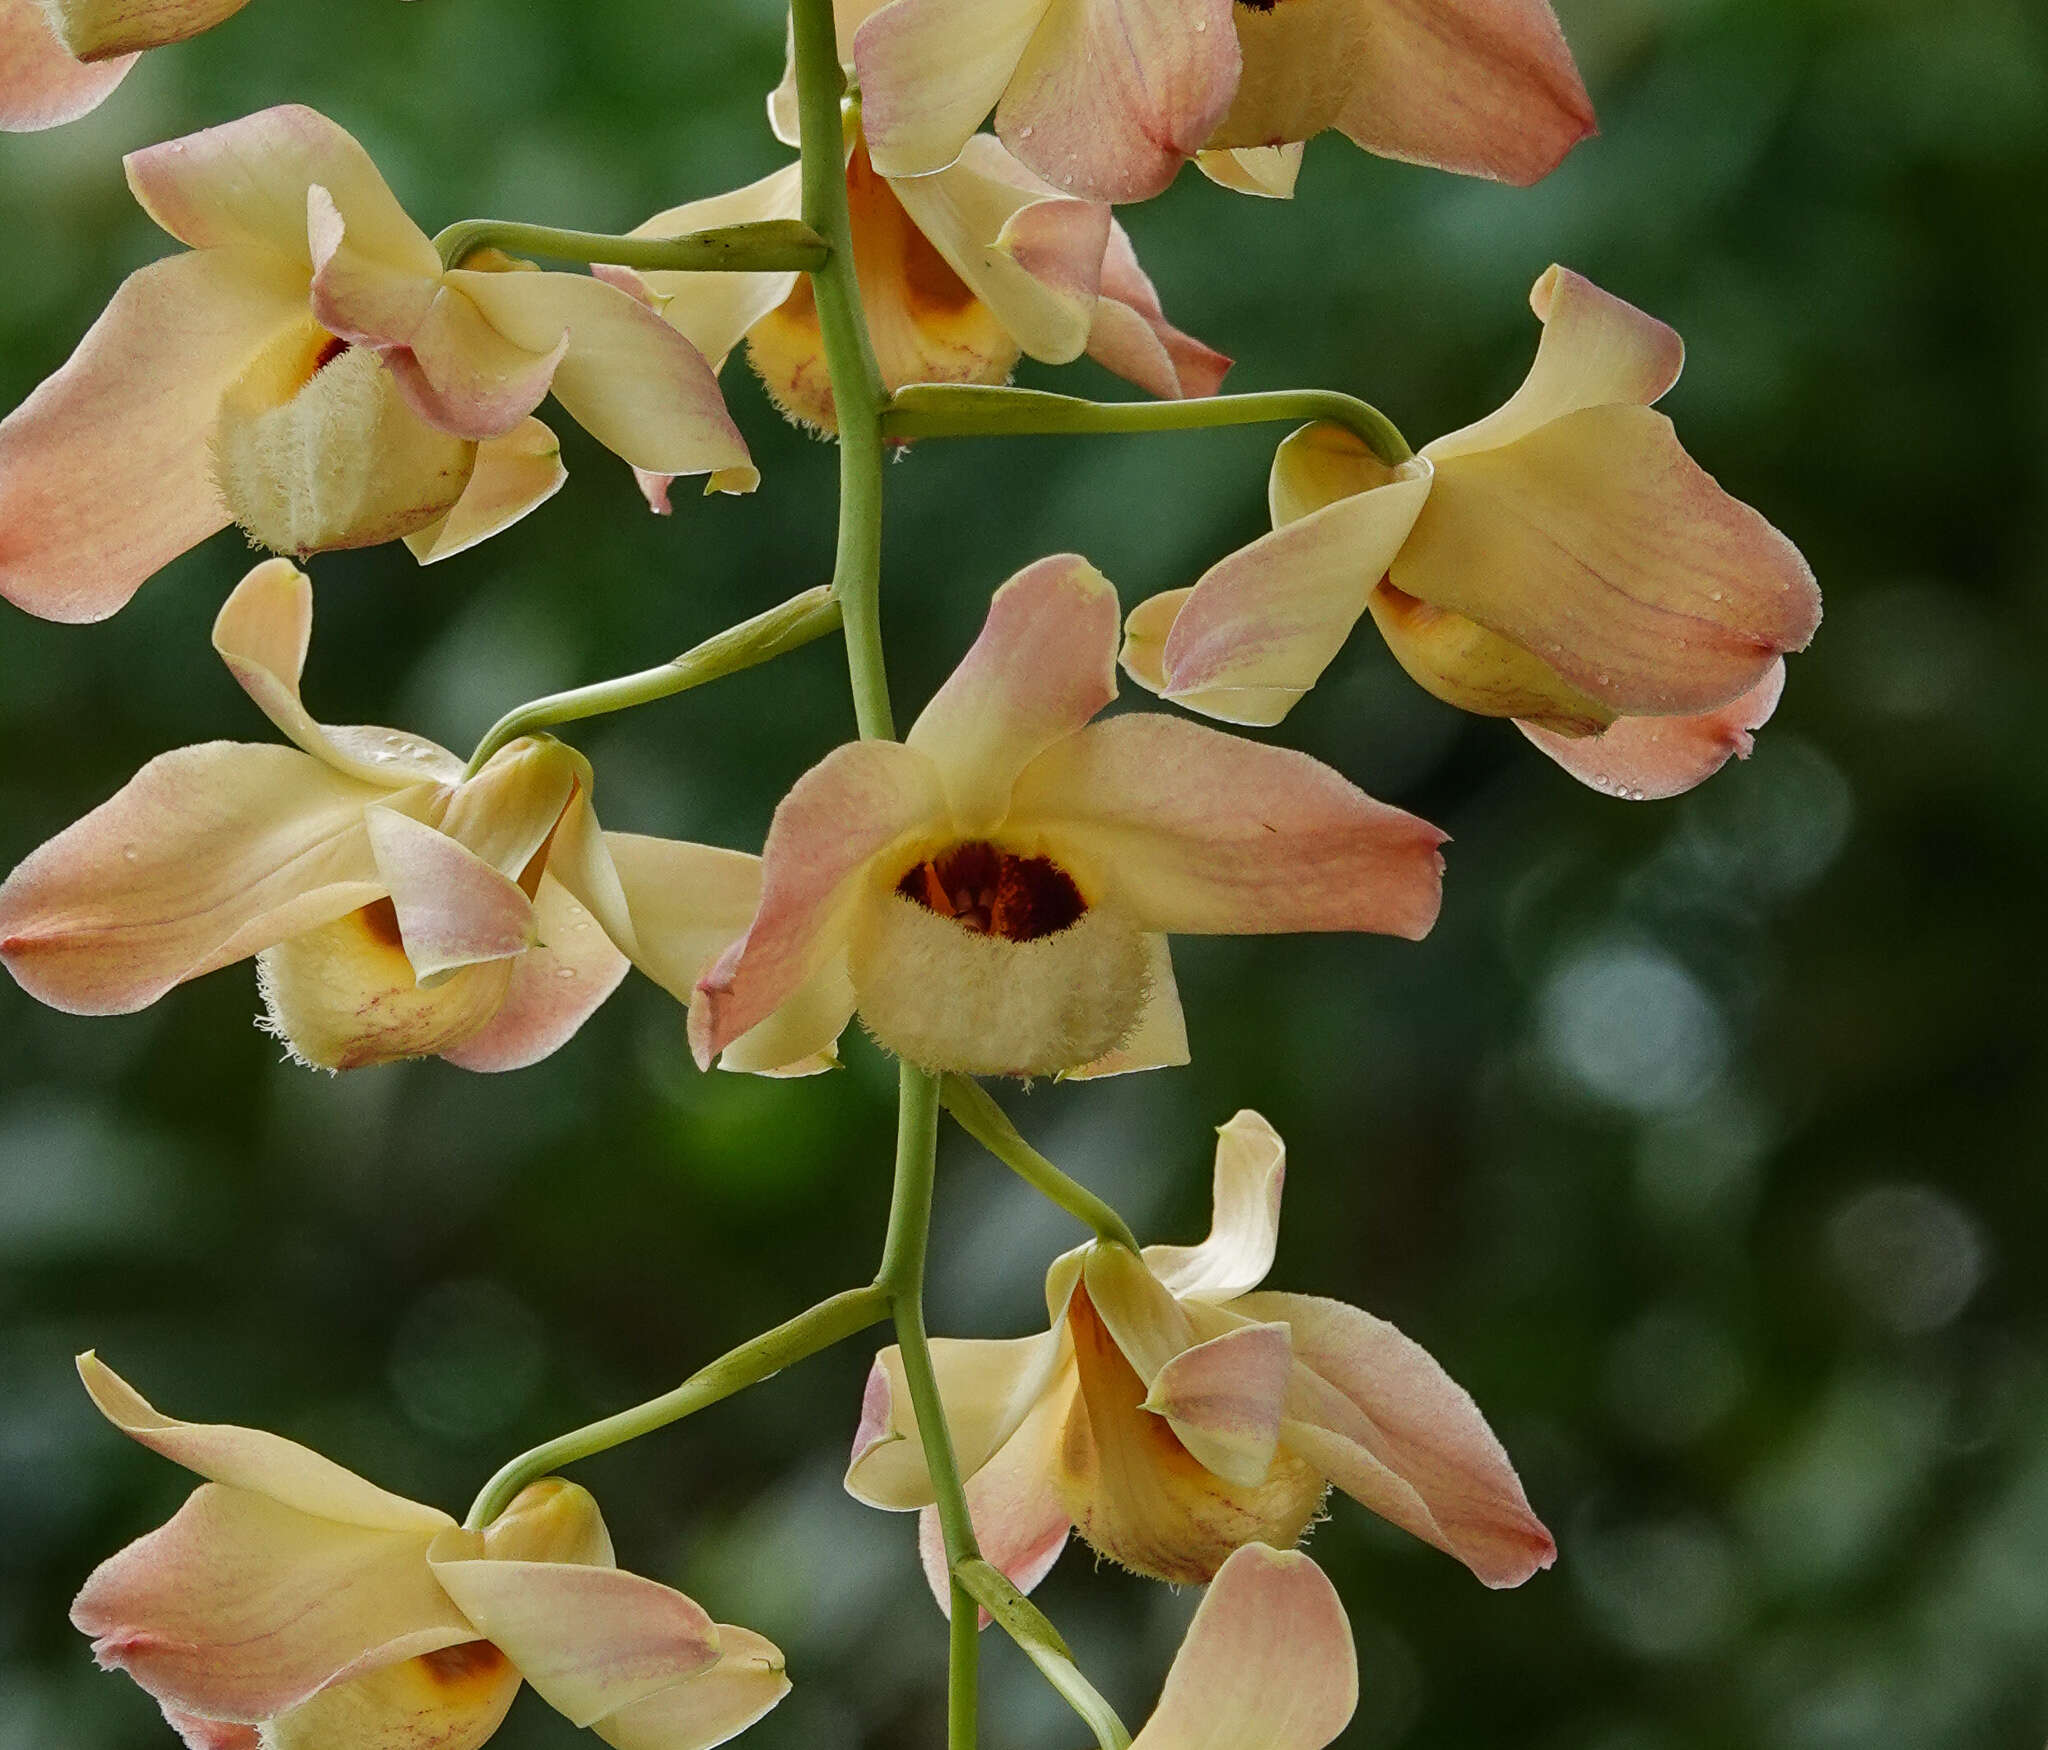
(992, 895)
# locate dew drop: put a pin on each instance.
(565, 972)
(1024, 133)
(129, 853)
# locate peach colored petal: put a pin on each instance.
(358, 294)
(1267, 1663)
(460, 374)
(198, 1733)
(1598, 544)
(240, 1607)
(708, 1708)
(1375, 1413)
(1044, 664)
(843, 813)
(514, 474)
(453, 909)
(1195, 832)
(1223, 1399)
(41, 84)
(105, 471)
(1131, 336)
(1462, 663)
(1644, 759)
(97, 28)
(208, 855)
(1111, 97)
(245, 184)
(1020, 1523)
(452, 1699)
(557, 985)
(1244, 1230)
(931, 70)
(1485, 87)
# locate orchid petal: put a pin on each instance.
(241, 1607)
(453, 1699)
(1020, 1523)
(41, 84)
(1244, 1232)
(245, 184)
(931, 70)
(801, 1037)
(630, 380)
(1223, 1398)
(199, 1733)
(988, 1388)
(1143, 656)
(1267, 171)
(1143, 1318)
(1460, 662)
(689, 903)
(1263, 624)
(453, 908)
(1267, 1663)
(1378, 1416)
(1200, 833)
(1646, 759)
(357, 294)
(708, 1708)
(1044, 664)
(553, 1520)
(1111, 97)
(508, 812)
(1597, 543)
(95, 29)
(458, 373)
(1596, 351)
(514, 474)
(1159, 1038)
(105, 471)
(1485, 87)
(840, 816)
(590, 1640)
(557, 985)
(208, 855)
(1131, 336)
(1319, 464)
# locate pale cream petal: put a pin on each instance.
(1268, 171)
(452, 908)
(98, 28)
(1044, 664)
(514, 474)
(1136, 1308)
(1159, 1038)
(1267, 1663)
(1463, 664)
(1319, 464)
(553, 1520)
(931, 70)
(1020, 1523)
(988, 1388)
(1143, 656)
(689, 903)
(801, 1037)
(241, 1607)
(210, 854)
(1244, 1231)
(508, 812)
(41, 84)
(105, 471)
(709, 1708)
(453, 1699)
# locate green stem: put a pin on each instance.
(902, 1272)
(797, 622)
(858, 394)
(829, 1322)
(1026, 1624)
(928, 410)
(977, 1113)
(764, 246)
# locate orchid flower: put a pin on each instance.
(961, 274)
(993, 894)
(309, 371)
(1108, 98)
(395, 908)
(42, 83)
(291, 1605)
(1172, 1413)
(1266, 1664)
(1562, 562)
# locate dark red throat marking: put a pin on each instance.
(994, 893)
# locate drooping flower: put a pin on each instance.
(961, 274)
(42, 84)
(291, 1605)
(1266, 1664)
(1562, 562)
(395, 908)
(1108, 98)
(994, 894)
(309, 371)
(1173, 1413)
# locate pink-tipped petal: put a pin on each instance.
(1263, 624)
(94, 29)
(628, 378)
(1020, 1523)
(209, 855)
(453, 908)
(709, 1708)
(240, 1607)
(931, 70)
(590, 1640)
(1132, 337)
(557, 985)
(1113, 96)
(460, 374)
(1223, 1400)
(105, 471)
(246, 184)
(358, 293)
(1045, 664)
(1200, 833)
(1596, 543)
(1375, 1413)
(1596, 351)
(801, 1038)
(1645, 759)
(1483, 87)
(843, 813)
(41, 84)
(1267, 1663)
(1244, 1231)
(451, 1699)
(514, 474)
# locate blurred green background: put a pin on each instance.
(1703, 1141)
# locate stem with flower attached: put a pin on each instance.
(978, 1114)
(763, 246)
(934, 410)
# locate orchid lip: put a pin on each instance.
(994, 892)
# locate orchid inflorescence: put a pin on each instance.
(993, 895)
